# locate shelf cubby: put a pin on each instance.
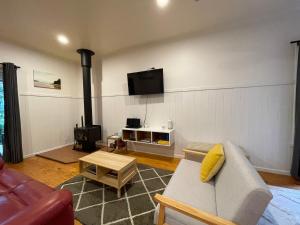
(129, 135)
(151, 136)
(144, 136)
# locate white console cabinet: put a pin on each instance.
(151, 136)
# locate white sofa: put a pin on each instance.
(237, 194)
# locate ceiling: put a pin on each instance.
(108, 26)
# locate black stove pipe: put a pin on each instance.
(86, 64)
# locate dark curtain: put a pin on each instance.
(12, 148)
(295, 171)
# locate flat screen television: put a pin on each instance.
(146, 82)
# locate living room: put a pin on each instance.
(111, 112)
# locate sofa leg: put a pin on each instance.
(161, 215)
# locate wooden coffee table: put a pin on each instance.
(108, 168)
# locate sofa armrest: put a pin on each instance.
(188, 211)
(45, 210)
(193, 152)
(1, 163)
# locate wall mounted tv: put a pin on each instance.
(146, 82)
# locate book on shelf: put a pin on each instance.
(145, 140)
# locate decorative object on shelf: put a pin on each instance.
(163, 142)
(115, 143)
(170, 124)
(46, 80)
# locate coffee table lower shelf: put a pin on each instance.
(116, 179)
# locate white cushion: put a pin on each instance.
(185, 186)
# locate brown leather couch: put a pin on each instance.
(28, 202)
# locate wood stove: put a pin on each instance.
(87, 135)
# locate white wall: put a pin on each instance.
(47, 116)
(233, 84)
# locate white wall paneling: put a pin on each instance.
(259, 119)
(48, 122)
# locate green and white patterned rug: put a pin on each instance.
(98, 204)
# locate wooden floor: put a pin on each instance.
(53, 173)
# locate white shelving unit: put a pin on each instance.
(150, 136)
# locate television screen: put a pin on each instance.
(146, 82)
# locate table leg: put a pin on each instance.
(119, 184)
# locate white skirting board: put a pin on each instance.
(282, 172)
(47, 150)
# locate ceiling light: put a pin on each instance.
(162, 3)
(62, 39)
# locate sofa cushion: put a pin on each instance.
(32, 191)
(10, 204)
(18, 191)
(186, 187)
(9, 179)
(241, 194)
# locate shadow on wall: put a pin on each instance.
(96, 81)
(143, 99)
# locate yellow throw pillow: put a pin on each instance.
(212, 163)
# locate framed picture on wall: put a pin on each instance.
(46, 80)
